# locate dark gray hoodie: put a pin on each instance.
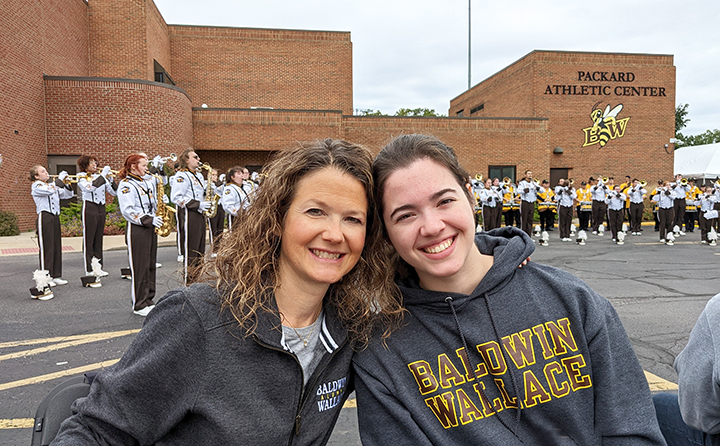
(552, 359)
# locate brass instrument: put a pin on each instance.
(507, 181)
(210, 192)
(571, 181)
(163, 210)
(479, 177)
(113, 173)
(684, 182)
(643, 183)
(172, 157)
(70, 179)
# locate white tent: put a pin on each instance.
(698, 161)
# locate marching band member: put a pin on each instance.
(706, 201)
(565, 196)
(179, 221)
(584, 206)
(599, 193)
(528, 195)
(716, 193)
(509, 209)
(234, 198)
(491, 200)
(216, 223)
(188, 193)
(616, 203)
(93, 187)
(476, 186)
(138, 203)
(636, 195)
(665, 198)
(655, 206)
(546, 206)
(691, 210)
(47, 197)
(624, 188)
(500, 190)
(679, 204)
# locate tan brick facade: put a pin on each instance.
(80, 78)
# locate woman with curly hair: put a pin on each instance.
(260, 352)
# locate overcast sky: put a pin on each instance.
(415, 53)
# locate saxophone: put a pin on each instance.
(163, 210)
(210, 192)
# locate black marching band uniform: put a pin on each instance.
(138, 204)
(565, 197)
(47, 205)
(188, 194)
(93, 188)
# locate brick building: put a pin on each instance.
(110, 77)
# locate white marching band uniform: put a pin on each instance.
(47, 205)
(234, 198)
(93, 188)
(188, 194)
(138, 204)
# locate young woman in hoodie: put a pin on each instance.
(261, 353)
(490, 354)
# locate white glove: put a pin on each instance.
(105, 171)
(62, 175)
(157, 222)
(157, 162)
(204, 206)
(222, 178)
(166, 200)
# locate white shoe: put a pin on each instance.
(103, 273)
(595, 232)
(59, 281)
(662, 240)
(566, 239)
(52, 283)
(144, 312)
(681, 233)
(600, 234)
(712, 243)
(158, 265)
(181, 258)
(47, 296)
(669, 243)
(703, 242)
(638, 233)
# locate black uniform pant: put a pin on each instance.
(665, 216)
(716, 221)
(509, 217)
(50, 242)
(615, 220)
(636, 213)
(599, 209)
(217, 226)
(93, 216)
(194, 242)
(584, 218)
(489, 215)
(527, 211)
(690, 219)
(565, 215)
(705, 226)
(142, 250)
(547, 219)
(679, 211)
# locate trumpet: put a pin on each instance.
(172, 157)
(113, 173)
(70, 179)
(643, 183)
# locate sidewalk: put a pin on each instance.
(27, 244)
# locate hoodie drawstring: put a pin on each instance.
(449, 301)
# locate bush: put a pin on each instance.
(71, 220)
(8, 224)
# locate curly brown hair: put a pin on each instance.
(245, 270)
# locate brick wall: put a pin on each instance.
(35, 38)
(478, 142)
(118, 39)
(158, 40)
(244, 68)
(114, 118)
(548, 84)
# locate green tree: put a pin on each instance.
(370, 112)
(709, 137)
(681, 120)
(418, 112)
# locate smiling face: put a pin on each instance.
(430, 222)
(323, 231)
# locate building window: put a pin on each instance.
(477, 108)
(460, 113)
(161, 75)
(502, 172)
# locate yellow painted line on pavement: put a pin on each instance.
(84, 339)
(55, 375)
(658, 384)
(62, 338)
(350, 403)
(17, 423)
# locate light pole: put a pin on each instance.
(469, 44)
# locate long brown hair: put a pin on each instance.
(246, 268)
(131, 160)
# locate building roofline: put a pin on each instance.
(261, 29)
(265, 109)
(557, 52)
(116, 79)
(481, 118)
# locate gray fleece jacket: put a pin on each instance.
(532, 356)
(191, 378)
